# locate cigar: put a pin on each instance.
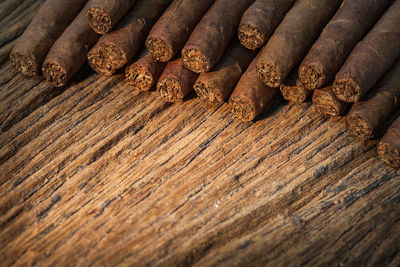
(368, 116)
(350, 23)
(103, 15)
(68, 53)
(171, 31)
(389, 145)
(176, 81)
(260, 20)
(326, 102)
(144, 73)
(251, 95)
(115, 49)
(293, 90)
(215, 86)
(371, 57)
(209, 39)
(293, 38)
(51, 20)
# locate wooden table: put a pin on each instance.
(99, 174)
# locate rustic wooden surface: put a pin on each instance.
(98, 174)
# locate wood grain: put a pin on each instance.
(100, 174)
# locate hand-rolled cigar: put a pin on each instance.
(371, 57)
(171, 31)
(293, 90)
(326, 102)
(292, 39)
(366, 117)
(176, 81)
(389, 146)
(260, 20)
(144, 73)
(51, 20)
(115, 49)
(251, 95)
(215, 86)
(103, 15)
(350, 23)
(209, 39)
(68, 53)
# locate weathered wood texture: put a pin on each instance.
(98, 174)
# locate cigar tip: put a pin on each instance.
(106, 58)
(99, 20)
(138, 77)
(207, 93)
(347, 90)
(160, 49)
(388, 154)
(326, 103)
(250, 36)
(295, 94)
(170, 90)
(54, 73)
(359, 127)
(242, 109)
(268, 74)
(195, 60)
(24, 64)
(311, 77)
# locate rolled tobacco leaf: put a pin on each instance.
(293, 90)
(209, 39)
(176, 81)
(103, 15)
(215, 86)
(68, 53)
(349, 25)
(260, 20)
(49, 23)
(144, 73)
(326, 102)
(367, 117)
(115, 49)
(293, 38)
(371, 57)
(171, 31)
(389, 145)
(251, 95)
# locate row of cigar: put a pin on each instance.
(335, 52)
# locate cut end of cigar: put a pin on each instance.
(327, 104)
(206, 92)
(388, 154)
(159, 49)
(55, 74)
(107, 59)
(347, 90)
(170, 90)
(99, 20)
(311, 77)
(250, 36)
(294, 94)
(359, 127)
(139, 77)
(24, 64)
(268, 74)
(242, 109)
(195, 60)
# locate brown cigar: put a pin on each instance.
(171, 31)
(293, 38)
(144, 73)
(250, 96)
(260, 20)
(68, 53)
(51, 20)
(103, 15)
(389, 146)
(326, 102)
(209, 39)
(371, 58)
(176, 81)
(352, 21)
(115, 49)
(215, 86)
(367, 117)
(293, 90)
